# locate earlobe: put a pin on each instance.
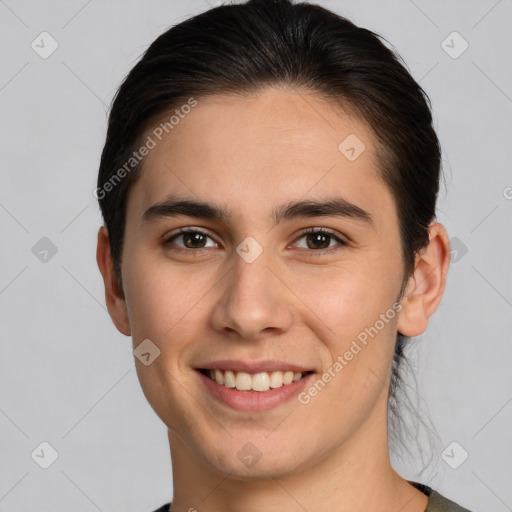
(114, 297)
(425, 287)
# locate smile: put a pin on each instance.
(261, 381)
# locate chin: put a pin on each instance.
(250, 463)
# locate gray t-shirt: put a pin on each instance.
(436, 502)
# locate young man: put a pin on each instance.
(268, 186)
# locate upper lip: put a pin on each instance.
(254, 366)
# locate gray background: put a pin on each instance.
(67, 376)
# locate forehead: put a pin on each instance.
(267, 147)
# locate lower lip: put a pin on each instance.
(252, 401)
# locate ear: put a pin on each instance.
(114, 296)
(425, 287)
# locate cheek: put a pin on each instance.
(358, 304)
(351, 297)
(160, 297)
(360, 351)
(163, 307)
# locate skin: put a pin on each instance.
(251, 154)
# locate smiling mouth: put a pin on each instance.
(261, 381)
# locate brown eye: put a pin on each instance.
(189, 239)
(320, 240)
(194, 240)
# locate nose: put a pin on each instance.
(253, 300)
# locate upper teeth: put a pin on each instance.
(262, 381)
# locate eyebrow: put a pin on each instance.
(332, 207)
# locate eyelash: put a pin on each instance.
(315, 252)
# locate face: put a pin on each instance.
(259, 283)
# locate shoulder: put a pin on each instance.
(436, 501)
(164, 508)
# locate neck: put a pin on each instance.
(356, 476)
